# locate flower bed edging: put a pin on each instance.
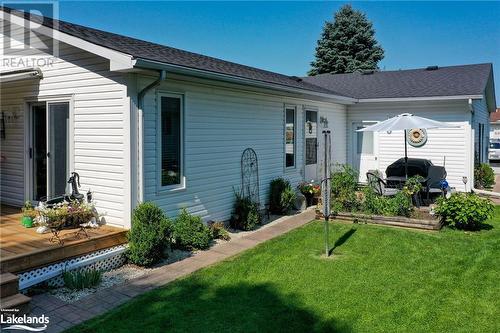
(398, 221)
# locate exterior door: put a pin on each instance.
(311, 146)
(49, 151)
(364, 150)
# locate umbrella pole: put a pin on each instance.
(406, 158)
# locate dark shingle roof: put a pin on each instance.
(150, 51)
(444, 81)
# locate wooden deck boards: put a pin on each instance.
(22, 248)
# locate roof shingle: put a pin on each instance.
(151, 51)
(444, 81)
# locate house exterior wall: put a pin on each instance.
(219, 123)
(481, 116)
(99, 116)
(454, 144)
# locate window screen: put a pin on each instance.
(171, 131)
(290, 137)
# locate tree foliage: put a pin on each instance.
(347, 44)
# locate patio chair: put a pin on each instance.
(379, 185)
(435, 175)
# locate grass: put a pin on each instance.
(380, 279)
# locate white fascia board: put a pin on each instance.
(19, 75)
(413, 99)
(149, 64)
(118, 60)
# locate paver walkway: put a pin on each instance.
(63, 315)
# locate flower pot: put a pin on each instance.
(27, 221)
(309, 198)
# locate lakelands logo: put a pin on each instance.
(27, 323)
(28, 33)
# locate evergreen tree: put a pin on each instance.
(346, 45)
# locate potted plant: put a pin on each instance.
(29, 214)
(309, 190)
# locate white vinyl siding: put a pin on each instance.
(97, 120)
(219, 124)
(480, 117)
(451, 146)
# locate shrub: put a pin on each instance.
(464, 210)
(190, 233)
(245, 215)
(398, 205)
(82, 279)
(219, 231)
(344, 183)
(282, 196)
(149, 236)
(484, 176)
(372, 203)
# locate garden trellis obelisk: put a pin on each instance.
(250, 176)
(326, 185)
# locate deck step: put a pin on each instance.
(17, 301)
(9, 284)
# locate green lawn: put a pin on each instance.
(381, 280)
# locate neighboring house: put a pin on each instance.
(495, 125)
(145, 122)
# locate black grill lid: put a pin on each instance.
(416, 166)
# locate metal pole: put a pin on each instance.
(326, 187)
(406, 158)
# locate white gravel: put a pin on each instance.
(117, 276)
(111, 278)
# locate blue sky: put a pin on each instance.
(281, 36)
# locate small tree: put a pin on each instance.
(347, 44)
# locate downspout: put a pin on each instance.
(140, 132)
(473, 146)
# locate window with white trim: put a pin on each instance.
(290, 136)
(171, 135)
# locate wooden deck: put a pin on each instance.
(22, 248)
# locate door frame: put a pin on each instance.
(28, 136)
(304, 112)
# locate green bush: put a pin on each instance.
(82, 279)
(219, 231)
(398, 205)
(344, 183)
(464, 210)
(245, 214)
(484, 176)
(149, 236)
(282, 196)
(190, 233)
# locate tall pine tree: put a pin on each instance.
(346, 45)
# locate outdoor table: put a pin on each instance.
(395, 181)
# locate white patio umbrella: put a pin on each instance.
(405, 121)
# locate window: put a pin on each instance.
(290, 137)
(171, 140)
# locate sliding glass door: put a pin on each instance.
(49, 150)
